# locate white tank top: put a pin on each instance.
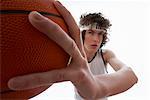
(97, 67)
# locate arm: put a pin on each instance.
(121, 80)
(106, 84)
(77, 71)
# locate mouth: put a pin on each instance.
(94, 45)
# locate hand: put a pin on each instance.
(74, 30)
(77, 71)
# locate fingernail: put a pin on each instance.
(12, 85)
(37, 15)
(58, 2)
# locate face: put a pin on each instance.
(93, 39)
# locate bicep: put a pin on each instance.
(113, 61)
(121, 80)
(116, 64)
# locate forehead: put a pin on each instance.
(94, 27)
(97, 30)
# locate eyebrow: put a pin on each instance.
(90, 30)
(104, 31)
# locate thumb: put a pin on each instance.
(37, 79)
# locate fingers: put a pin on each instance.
(36, 80)
(55, 32)
(72, 26)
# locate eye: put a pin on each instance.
(101, 33)
(90, 32)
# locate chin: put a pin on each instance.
(94, 50)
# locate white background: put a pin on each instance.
(129, 39)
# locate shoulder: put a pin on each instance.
(108, 54)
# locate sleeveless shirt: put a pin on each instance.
(97, 66)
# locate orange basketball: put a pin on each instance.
(24, 49)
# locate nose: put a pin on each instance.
(95, 38)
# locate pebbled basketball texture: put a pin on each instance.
(24, 49)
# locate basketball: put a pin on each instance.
(24, 49)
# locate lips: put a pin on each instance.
(94, 45)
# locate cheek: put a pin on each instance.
(86, 42)
(87, 39)
(100, 40)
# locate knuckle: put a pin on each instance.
(37, 80)
(60, 76)
(52, 25)
(81, 77)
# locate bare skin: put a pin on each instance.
(77, 71)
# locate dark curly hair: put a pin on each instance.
(87, 19)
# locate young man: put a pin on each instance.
(94, 35)
(88, 61)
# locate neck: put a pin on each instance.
(89, 55)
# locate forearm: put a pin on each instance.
(100, 86)
(117, 82)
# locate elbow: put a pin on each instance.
(133, 77)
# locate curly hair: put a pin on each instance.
(102, 22)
